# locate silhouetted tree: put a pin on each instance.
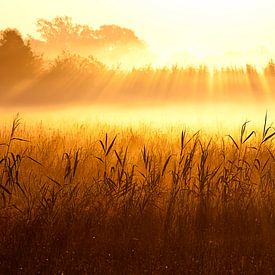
(17, 60)
(108, 43)
(60, 30)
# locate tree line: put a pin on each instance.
(28, 74)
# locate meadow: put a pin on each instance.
(124, 162)
(105, 198)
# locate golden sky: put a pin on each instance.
(213, 32)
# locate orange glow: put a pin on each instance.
(215, 33)
(112, 64)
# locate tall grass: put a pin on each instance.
(130, 202)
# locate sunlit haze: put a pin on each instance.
(215, 33)
(234, 39)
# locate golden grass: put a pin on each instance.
(102, 199)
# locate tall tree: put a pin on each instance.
(109, 43)
(17, 60)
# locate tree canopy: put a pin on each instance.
(16, 57)
(63, 30)
(107, 43)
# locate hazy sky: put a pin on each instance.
(191, 32)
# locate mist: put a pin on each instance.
(77, 67)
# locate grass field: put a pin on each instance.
(106, 199)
